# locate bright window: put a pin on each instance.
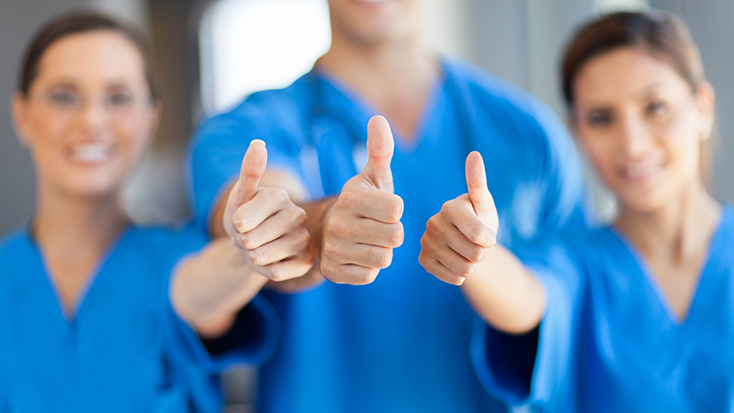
(251, 45)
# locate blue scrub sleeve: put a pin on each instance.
(252, 339)
(216, 152)
(534, 369)
(258, 325)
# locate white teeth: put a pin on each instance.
(641, 170)
(91, 152)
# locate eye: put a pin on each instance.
(120, 100)
(63, 98)
(599, 118)
(656, 107)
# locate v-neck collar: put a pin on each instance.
(97, 272)
(705, 284)
(355, 112)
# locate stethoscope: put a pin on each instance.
(322, 122)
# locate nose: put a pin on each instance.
(635, 136)
(93, 116)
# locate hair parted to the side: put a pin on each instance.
(660, 34)
(75, 23)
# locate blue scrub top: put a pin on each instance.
(609, 342)
(401, 343)
(123, 349)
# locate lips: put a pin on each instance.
(91, 152)
(641, 170)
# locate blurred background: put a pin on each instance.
(212, 53)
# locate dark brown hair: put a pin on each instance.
(661, 34)
(81, 22)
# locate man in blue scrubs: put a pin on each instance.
(400, 341)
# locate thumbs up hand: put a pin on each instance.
(461, 234)
(363, 226)
(266, 223)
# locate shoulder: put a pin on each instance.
(10, 243)
(281, 108)
(503, 98)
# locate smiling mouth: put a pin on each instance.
(638, 171)
(91, 152)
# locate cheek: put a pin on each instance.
(600, 152)
(133, 138)
(683, 143)
(45, 140)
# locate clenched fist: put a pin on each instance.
(460, 235)
(266, 223)
(363, 225)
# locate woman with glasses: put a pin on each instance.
(634, 317)
(86, 323)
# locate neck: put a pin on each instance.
(393, 77)
(77, 228)
(678, 231)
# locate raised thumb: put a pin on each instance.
(481, 199)
(253, 167)
(380, 146)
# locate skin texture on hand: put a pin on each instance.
(363, 225)
(459, 248)
(265, 223)
(460, 235)
(268, 241)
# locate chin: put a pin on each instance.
(643, 204)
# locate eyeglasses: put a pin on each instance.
(118, 104)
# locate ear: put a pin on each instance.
(21, 122)
(705, 100)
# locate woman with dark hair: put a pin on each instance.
(86, 323)
(636, 316)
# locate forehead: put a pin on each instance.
(92, 56)
(624, 72)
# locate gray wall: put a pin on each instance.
(18, 20)
(712, 26)
(519, 40)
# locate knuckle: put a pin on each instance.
(257, 258)
(370, 275)
(474, 233)
(277, 275)
(327, 269)
(448, 207)
(347, 199)
(248, 241)
(337, 227)
(384, 258)
(466, 270)
(395, 209)
(299, 215)
(280, 195)
(238, 223)
(396, 236)
(331, 249)
(307, 260)
(304, 238)
(476, 254)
